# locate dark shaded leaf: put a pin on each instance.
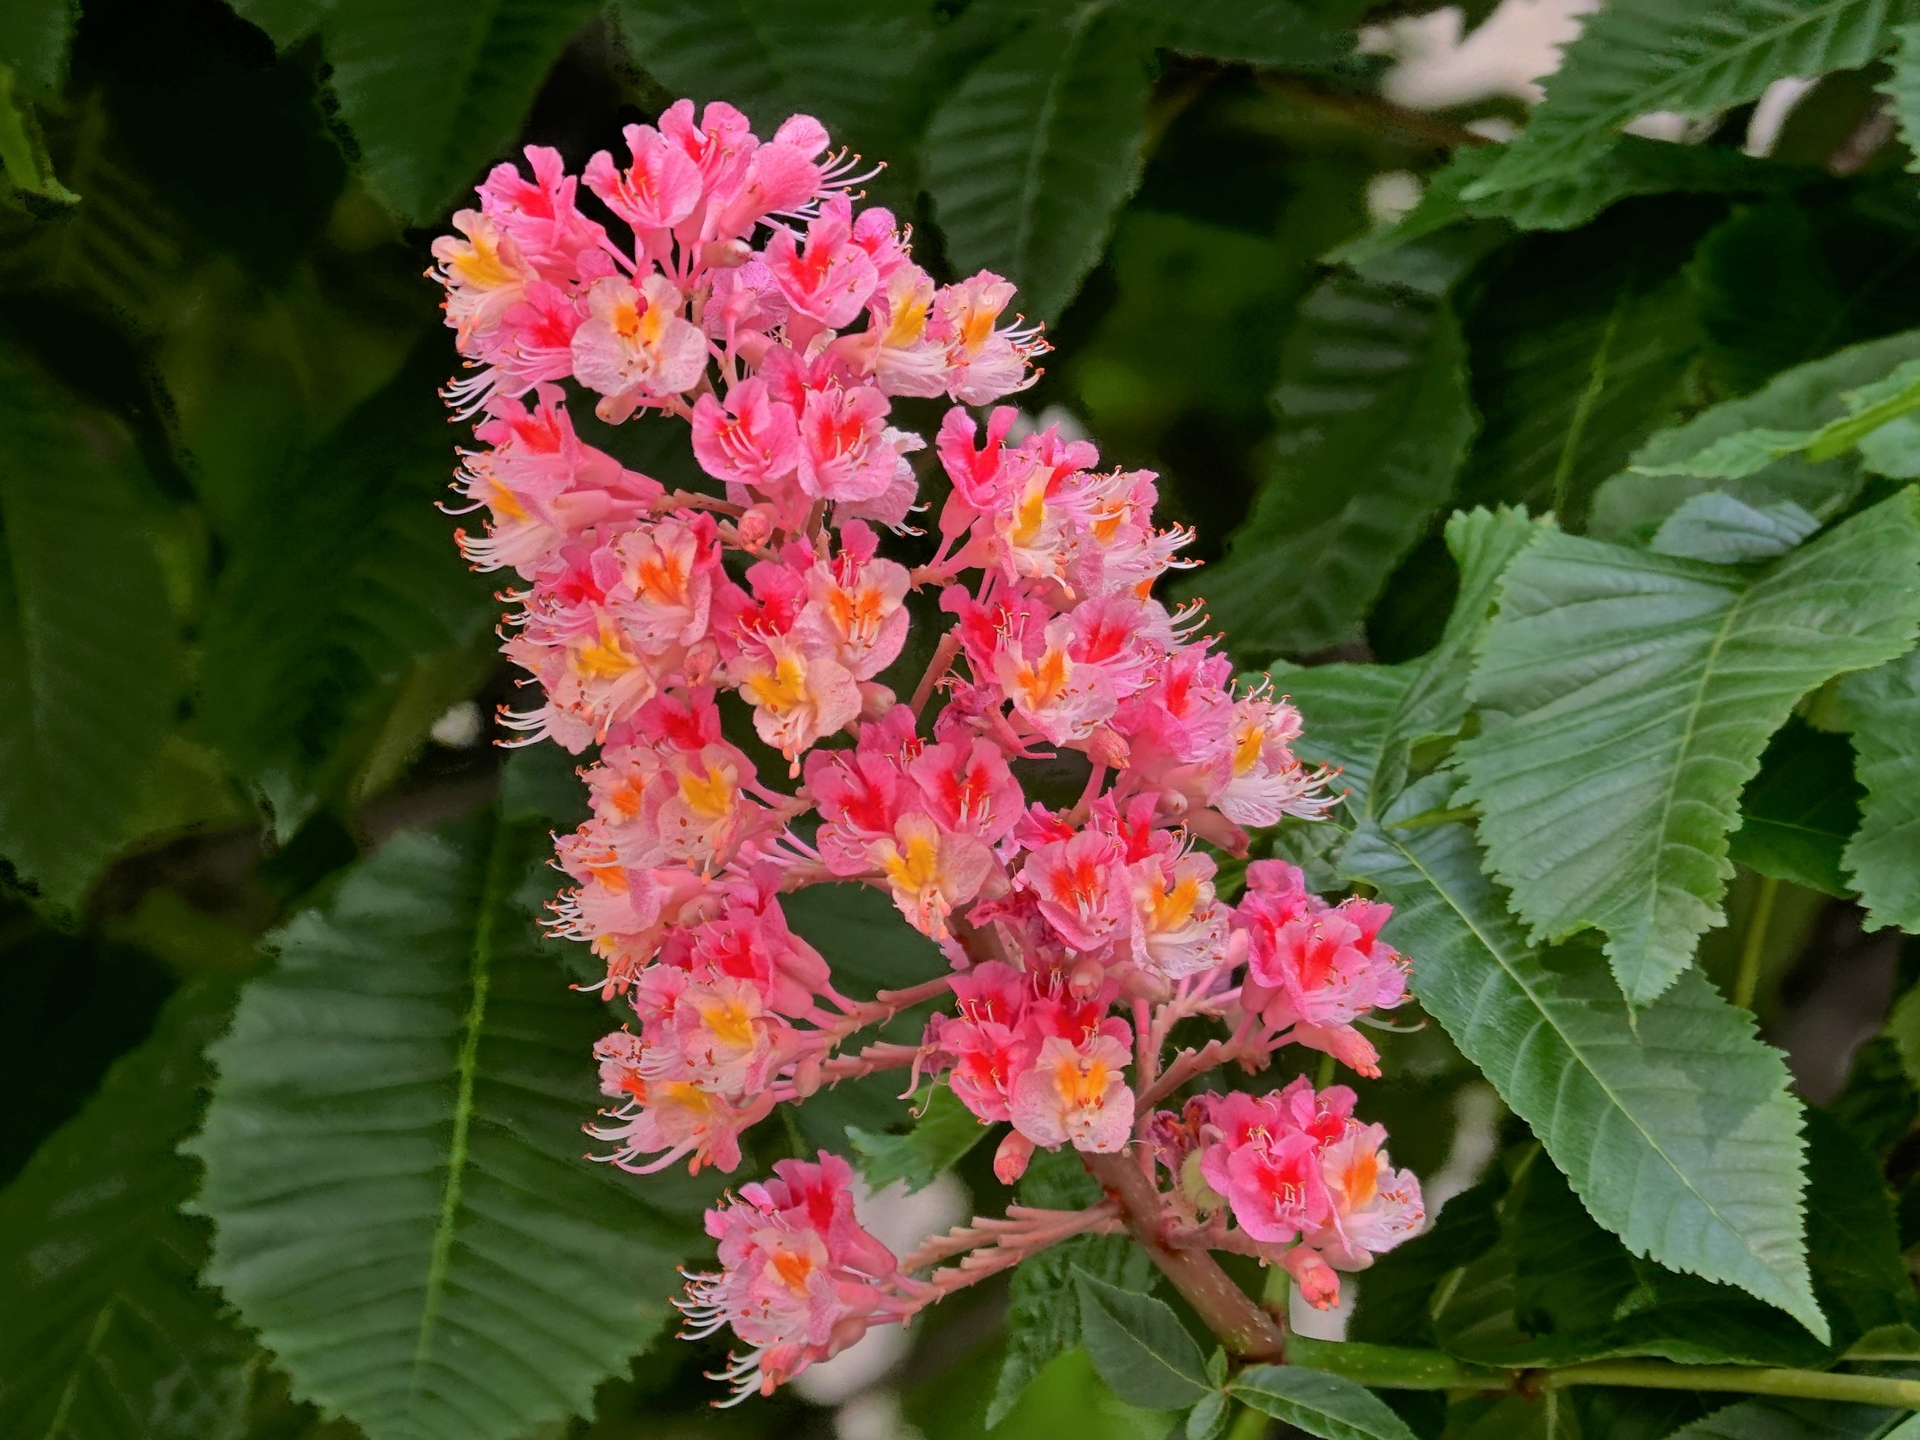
(1883, 860)
(1798, 812)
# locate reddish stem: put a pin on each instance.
(1243, 1327)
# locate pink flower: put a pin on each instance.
(799, 693)
(830, 279)
(658, 190)
(799, 1281)
(749, 439)
(1083, 888)
(1179, 928)
(1317, 973)
(930, 870)
(846, 453)
(856, 604)
(1076, 1094)
(636, 345)
(984, 363)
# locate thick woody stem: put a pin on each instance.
(1246, 1330)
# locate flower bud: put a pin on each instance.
(1010, 1160)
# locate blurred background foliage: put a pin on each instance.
(239, 651)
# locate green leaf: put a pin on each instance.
(1030, 159)
(1043, 1310)
(89, 652)
(1374, 422)
(1318, 1403)
(1580, 348)
(434, 89)
(944, 1131)
(394, 1163)
(1674, 1124)
(1632, 166)
(286, 22)
(35, 36)
(346, 621)
(1627, 700)
(1798, 1420)
(1798, 813)
(1722, 530)
(1285, 34)
(1390, 1367)
(104, 1333)
(1395, 1311)
(1882, 707)
(1636, 57)
(1869, 408)
(1208, 1419)
(1139, 1346)
(1903, 89)
(1804, 398)
(1367, 719)
(858, 930)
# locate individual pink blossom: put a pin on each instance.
(1315, 974)
(658, 189)
(829, 278)
(930, 871)
(635, 345)
(750, 438)
(1076, 1094)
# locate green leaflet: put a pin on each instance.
(1374, 422)
(1718, 528)
(1628, 698)
(1281, 33)
(1674, 1124)
(1318, 1403)
(1882, 707)
(104, 1332)
(347, 621)
(1631, 505)
(1800, 1420)
(943, 1131)
(1640, 56)
(1903, 89)
(1139, 1346)
(433, 89)
(1745, 452)
(1029, 160)
(393, 1156)
(1631, 166)
(1799, 811)
(89, 650)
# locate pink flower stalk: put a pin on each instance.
(745, 292)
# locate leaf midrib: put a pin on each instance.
(466, 1066)
(1547, 1016)
(1077, 26)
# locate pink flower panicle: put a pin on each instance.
(745, 294)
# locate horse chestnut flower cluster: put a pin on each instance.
(746, 295)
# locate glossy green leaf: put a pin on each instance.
(1723, 530)
(1903, 89)
(1030, 159)
(1673, 1124)
(434, 89)
(1636, 57)
(1580, 346)
(1374, 422)
(1631, 505)
(943, 1131)
(1139, 1346)
(1799, 811)
(104, 1332)
(1320, 1404)
(89, 654)
(393, 1156)
(1627, 699)
(347, 621)
(1883, 708)
(1043, 1309)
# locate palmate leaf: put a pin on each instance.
(1883, 708)
(1632, 505)
(346, 622)
(393, 1156)
(1374, 422)
(104, 1332)
(1030, 158)
(1627, 699)
(1635, 57)
(433, 89)
(88, 647)
(1673, 1125)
